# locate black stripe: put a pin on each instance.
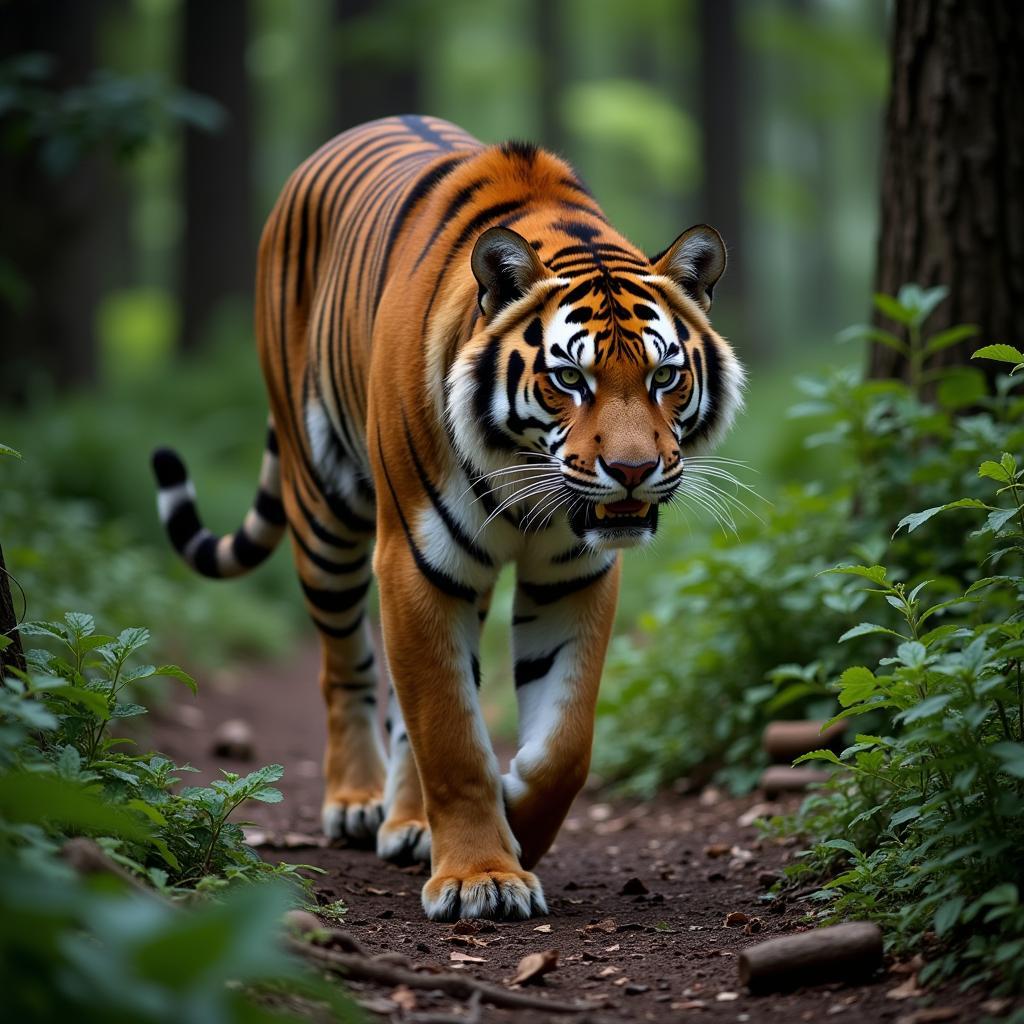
(474, 663)
(319, 530)
(351, 687)
(183, 525)
(522, 620)
(529, 670)
(338, 632)
(455, 204)
(441, 580)
(334, 601)
(454, 529)
(416, 124)
(327, 564)
(365, 664)
(269, 507)
(246, 551)
(205, 558)
(169, 469)
(272, 441)
(549, 593)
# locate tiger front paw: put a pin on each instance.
(500, 895)
(404, 842)
(352, 815)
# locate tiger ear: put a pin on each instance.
(505, 267)
(695, 261)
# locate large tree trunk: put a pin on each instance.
(218, 253)
(548, 32)
(721, 121)
(52, 224)
(12, 656)
(952, 203)
(370, 82)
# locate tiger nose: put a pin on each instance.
(629, 474)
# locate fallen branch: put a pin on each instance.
(779, 779)
(354, 966)
(88, 858)
(844, 952)
(785, 740)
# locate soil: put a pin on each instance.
(639, 894)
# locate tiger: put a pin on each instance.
(466, 366)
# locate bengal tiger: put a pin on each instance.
(468, 364)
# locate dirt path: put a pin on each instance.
(638, 894)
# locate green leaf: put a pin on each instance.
(893, 309)
(865, 332)
(1001, 354)
(7, 450)
(173, 672)
(875, 573)
(92, 700)
(868, 629)
(928, 707)
(916, 519)
(1012, 757)
(948, 914)
(949, 337)
(994, 471)
(819, 755)
(842, 844)
(906, 814)
(961, 387)
(858, 683)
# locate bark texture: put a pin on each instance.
(952, 208)
(219, 252)
(11, 656)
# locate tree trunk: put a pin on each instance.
(371, 82)
(952, 204)
(550, 66)
(11, 656)
(721, 121)
(218, 251)
(51, 223)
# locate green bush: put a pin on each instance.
(88, 950)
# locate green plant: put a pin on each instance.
(204, 944)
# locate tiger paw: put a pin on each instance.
(500, 895)
(404, 842)
(352, 815)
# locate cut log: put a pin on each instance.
(783, 741)
(233, 740)
(780, 779)
(844, 952)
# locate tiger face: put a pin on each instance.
(605, 377)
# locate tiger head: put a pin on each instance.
(595, 374)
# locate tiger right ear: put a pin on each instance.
(695, 261)
(505, 267)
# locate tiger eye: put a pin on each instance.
(569, 377)
(663, 374)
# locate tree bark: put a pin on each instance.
(51, 224)
(11, 656)
(952, 206)
(218, 251)
(551, 58)
(721, 121)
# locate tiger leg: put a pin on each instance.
(431, 640)
(405, 835)
(333, 562)
(559, 644)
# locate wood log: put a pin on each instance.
(11, 656)
(844, 952)
(785, 740)
(781, 779)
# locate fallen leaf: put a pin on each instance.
(717, 850)
(753, 926)
(600, 812)
(608, 926)
(996, 1007)
(689, 1004)
(611, 949)
(378, 892)
(736, 919)
(726, 997)
(908, 990)
(911, 966)
(465, 958)
(544, 929)
(534, 966)
(621, 981)
(467, 940)
(404, 997)
(607, 972)
(466, 926)
(762, 810)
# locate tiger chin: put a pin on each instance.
(466, 366)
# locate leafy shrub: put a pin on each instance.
(77, 949)
(738, 621)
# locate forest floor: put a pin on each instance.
(639, 893)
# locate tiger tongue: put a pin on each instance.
(627, 507)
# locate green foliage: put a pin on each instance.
(115, 112)
(87, 950)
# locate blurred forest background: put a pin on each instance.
(144, 142)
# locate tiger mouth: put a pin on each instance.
(629, 515)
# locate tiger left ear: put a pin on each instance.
(695, 261)
(505, 267)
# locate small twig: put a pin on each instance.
(351, 965)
